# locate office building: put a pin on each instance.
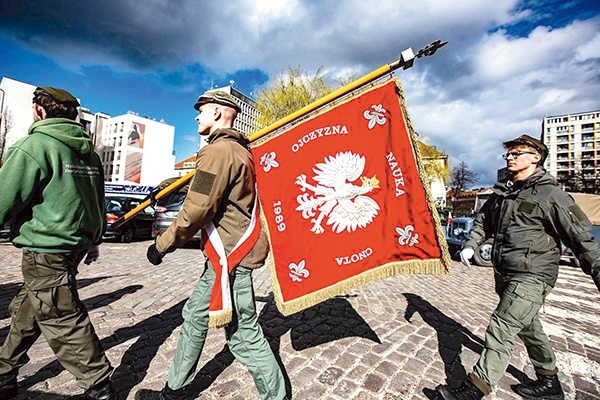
(246, 120)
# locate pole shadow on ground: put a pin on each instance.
(9, 290)
(328, 321)
(452, 336)
(54, 368)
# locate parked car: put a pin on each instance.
(140, 226)
(568, 253)
(166, 211)
(5, 230)
(456, 235)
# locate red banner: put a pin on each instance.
(343, 201)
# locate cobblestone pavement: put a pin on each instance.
(397, 338)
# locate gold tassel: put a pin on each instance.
(220, 319)
(425, 267)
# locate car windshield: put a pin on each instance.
(172, 199)
(115, 204)
(596, 232)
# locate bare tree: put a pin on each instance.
(461, 178)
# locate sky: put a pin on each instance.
(507, 64)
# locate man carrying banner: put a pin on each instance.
(222, 201)
(528, 216)
(53, 187)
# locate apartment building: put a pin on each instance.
(16, 112)
(573, 142)
(133, 149)
(136, 149)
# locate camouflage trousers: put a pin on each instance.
(48, 304)
(521, 298)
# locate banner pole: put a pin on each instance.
(406, 60)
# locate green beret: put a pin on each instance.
(57, 94)
(531, 142)
(217, 97)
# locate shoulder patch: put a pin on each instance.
(203, 182)
(526, 207)
(578, 212)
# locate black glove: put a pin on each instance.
(154, 256)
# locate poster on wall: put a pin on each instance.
(135, 137)
(135, 145)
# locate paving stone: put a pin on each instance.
(396, 338)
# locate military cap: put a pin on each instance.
(57, 94)
(217, 97)
(531, 142)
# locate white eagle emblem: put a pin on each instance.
(335, 196)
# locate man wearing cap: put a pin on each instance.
(221, 202)
(53, 190)
(528, 216)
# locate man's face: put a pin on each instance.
(206, 118)
(520, 158)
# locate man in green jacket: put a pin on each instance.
(528, 216)
(53, 192)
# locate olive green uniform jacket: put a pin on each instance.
(222, 191)
(528, 221)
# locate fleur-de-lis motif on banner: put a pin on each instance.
(298, 272)
(268, 161)
(407, 236)
(376, 116)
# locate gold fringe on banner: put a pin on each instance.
(436, 266)
(219, 319)
(446, 259)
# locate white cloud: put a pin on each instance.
(484, 87)
(504, 89)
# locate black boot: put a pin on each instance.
(545, 387)
(8, 386)
(165, 394)
(466, 391)
(100, 391)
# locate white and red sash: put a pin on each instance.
(220, 308)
